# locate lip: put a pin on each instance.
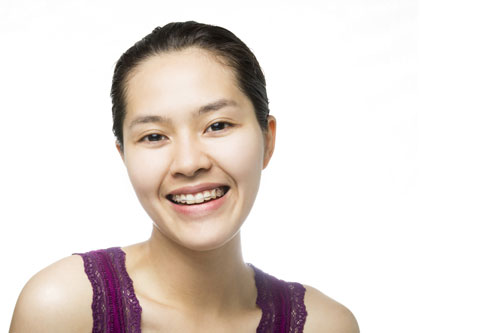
(196, 188)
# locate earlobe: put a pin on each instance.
(120, 150)
(270, 138)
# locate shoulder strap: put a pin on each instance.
(115, 307)
(282, 304)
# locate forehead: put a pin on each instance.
(180, 80)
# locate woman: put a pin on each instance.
(193, 128)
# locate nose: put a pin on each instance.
(190, 158)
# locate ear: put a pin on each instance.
(120, 150)
(270, 138)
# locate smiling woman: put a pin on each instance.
(193, 128)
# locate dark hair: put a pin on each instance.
(177, 36)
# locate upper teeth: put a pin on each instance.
(198, 197)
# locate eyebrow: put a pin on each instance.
(217, 105)
(148, 119)
(210, 107)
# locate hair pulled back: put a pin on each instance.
(177, 36)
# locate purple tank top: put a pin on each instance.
(115, 308)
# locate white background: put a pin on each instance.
(384, 189)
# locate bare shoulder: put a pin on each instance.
(56, 299)
(327, 315)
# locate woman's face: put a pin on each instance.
(193, 148)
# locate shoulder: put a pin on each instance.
(56, 299)
(326, 315)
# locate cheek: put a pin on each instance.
(241, 156)
(145, 169)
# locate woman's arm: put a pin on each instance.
(56, 299)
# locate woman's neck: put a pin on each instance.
(209, 282)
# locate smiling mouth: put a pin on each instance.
(198, 198)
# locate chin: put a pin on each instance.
(206, 244)
(202, 240)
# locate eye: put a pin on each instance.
(154, 137)
(218, 126)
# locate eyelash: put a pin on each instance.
(224, 123)
(147, 137)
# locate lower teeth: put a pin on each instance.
(196, 203)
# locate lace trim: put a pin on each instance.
(96, 280)
(115, 307)
(132, 308)
(282, 304)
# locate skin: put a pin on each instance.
(192, 265)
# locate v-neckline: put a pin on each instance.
(135, 300)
